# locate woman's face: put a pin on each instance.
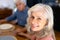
(37, 21)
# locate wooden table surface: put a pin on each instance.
(13, 34)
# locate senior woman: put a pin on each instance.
(40, 23)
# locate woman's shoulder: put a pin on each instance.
(48, 37)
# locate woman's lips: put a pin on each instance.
(34, 26)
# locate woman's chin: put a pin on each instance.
(33, 29)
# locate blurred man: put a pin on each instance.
(20, 14)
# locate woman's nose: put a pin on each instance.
(34, 21)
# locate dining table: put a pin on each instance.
(12, 33)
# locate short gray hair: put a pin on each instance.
(48, 15)
(23, 1)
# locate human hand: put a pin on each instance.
(13, 22)
(18, 30)
(22, 34)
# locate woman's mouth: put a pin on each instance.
(34, 26)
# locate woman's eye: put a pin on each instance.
(32, 17)
(39, 18)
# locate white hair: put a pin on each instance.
(22, 1)
(48, 14)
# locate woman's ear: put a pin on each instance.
(46, 22)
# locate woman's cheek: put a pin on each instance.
(30, 21)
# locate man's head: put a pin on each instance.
(20, 4)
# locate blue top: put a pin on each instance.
(21, 17)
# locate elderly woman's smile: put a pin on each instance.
(37, 21)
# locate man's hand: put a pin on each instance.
(13, 22)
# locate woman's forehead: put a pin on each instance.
(40, 12)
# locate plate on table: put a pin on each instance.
(7, 27)
(8, 37)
